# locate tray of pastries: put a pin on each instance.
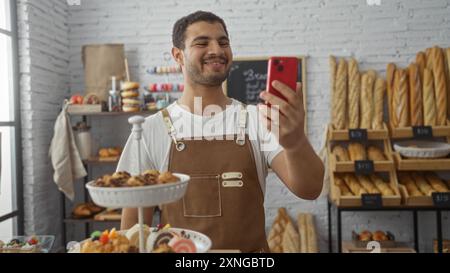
(27, 244)
(386, 239)
(150, 188)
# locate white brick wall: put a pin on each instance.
(393, 32)
(44, 80)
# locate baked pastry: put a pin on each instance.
(275, 237)
(167, 177)
(429, 102)
(379, 236)
(136, 181)
(151, 177)
(411, 187)
(291, 239)
(422, 184)
(382, 186)
(380, 89)
(390, 75)
(421, 63)
(440, 86)
(339, 182)
(365, 236)
(340, 96)
(354, 90)
(133, 235)
(121, 175)
(366, 101)
(91, 99)
(401, 98)
(357, 151)
(367, 184)
(415, 96)
(352, 183)
(436, 183)
(107, 242)
(340, 153)
(103, 152)
(375, 154)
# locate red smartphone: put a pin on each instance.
(283, 69)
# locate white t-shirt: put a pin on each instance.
(155, 142)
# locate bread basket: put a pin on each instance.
(134, 197)
(422, 149)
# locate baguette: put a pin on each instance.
(340, 153)
(440, 86)
(429, 103)
(375, 154)
(301, 222)
(339, 182)
(366, 101)
(380, 88)
(401, 98)
(352, 183)
(357, 151)
(333, 71)
(291, 239)
(447, 70)
(436, 183)
(311, 234)
(353, 94)
(422, 184)
(367, 184)
(411, 187)
(340, 97)
(390, 73)
(421, 64)
(415, 96)
(429, 58)
(382, 186)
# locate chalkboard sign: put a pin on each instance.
(359, 135)
(248, 78)
(371, 200)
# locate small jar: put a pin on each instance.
(83, 139)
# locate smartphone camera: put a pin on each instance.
(279, 66)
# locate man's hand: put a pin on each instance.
(291, 122)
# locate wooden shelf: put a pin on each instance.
(109, 114)
(344, 134)
(89, 220)
(407, 132)
(349, 247)
(96, 161)
(437, 164)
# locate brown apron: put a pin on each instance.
(224, 199)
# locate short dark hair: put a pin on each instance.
(179, 29)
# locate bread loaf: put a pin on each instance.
(357, 151)
(291, 239)
(382, 186)
(354, 91)
(380, 88)
(340, 97)
(366, 101)
(390, 73)
(440, 86)
(422, 184)
(276, 233)
(415, 96)
(367, 184)
(411, 187)
(352, 183)
(340, 153)
(401, 98)
(375, 154)
(339, 182)
(311, 234)
(429, 104)
(421, 63)
(429, 58)
(436, 183)
(301, 222)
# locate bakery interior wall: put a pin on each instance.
(52, 32)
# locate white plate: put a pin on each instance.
(201, 241)
(134, 197)
(422, 149)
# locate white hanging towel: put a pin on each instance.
(66, 160)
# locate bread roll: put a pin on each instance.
(422, 184)
(421, 63)
(380, 88)
(415, 96)
(340, 96)
(367, 184)
(411, 187)
(436, 183)
(375, 154)
(357, 151)
(429, 103)
(382, 186)
(440, 86)
(339, 182)
(352, 183)
(366, 101)
(401, 98)
(353, 94)
(390, 73)
(340, 153)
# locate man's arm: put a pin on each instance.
(130, 217)
(298, 166)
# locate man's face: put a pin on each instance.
(207, 55)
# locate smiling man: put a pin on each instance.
(223, 149)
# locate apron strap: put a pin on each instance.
(240, 140)
(171, 130)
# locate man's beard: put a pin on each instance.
(213, 79)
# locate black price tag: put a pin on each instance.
(441, 199)
(371, 200)
(421, 132)
(364, 167)
(357, 135)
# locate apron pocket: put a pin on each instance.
(202, 197)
